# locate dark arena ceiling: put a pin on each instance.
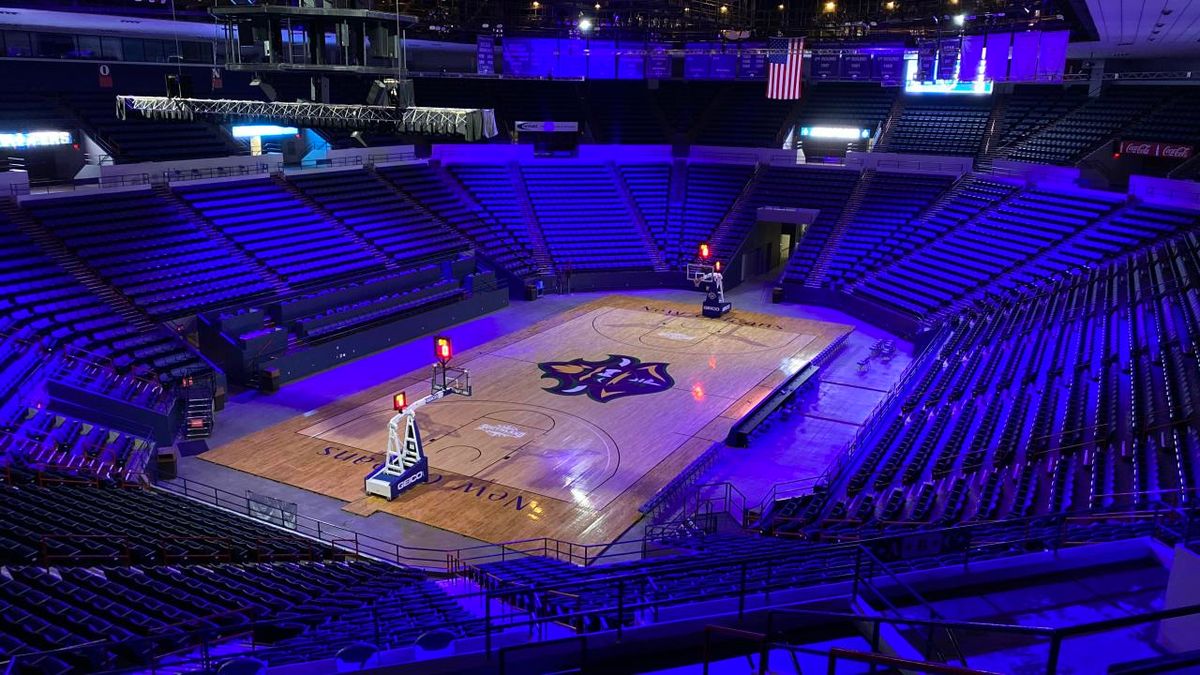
(652, 19)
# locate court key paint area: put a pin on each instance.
(574, 422)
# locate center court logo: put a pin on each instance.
(615, 377)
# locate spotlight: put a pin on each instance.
(830, 7)
(536, 4)
(585, 25)
(889, 5)
(724, 9)
(959, 19)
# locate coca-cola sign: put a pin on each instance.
(1154, 149)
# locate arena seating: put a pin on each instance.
(649, 186)
(279, 231)
(22, 112)
(978, 250)
(150, 250)
(492, 187)
(624, 113)
(43, 298)
(711, 191)
(33, 436)
(740, 117)
(501, 243)
(139, 140)
(845, 105)
(144, 571)
(890, 201)
(683, 103)
(826, 190)
(938, 127)
(386, 307)
(583, 217)
(519, 100)
(1085, 128)
(709, 569)
(1075, 393)
(1031, 108)
(1173, 122)
(388, 220)
(80, 524)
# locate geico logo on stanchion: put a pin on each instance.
(411, 479)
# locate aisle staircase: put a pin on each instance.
(676, 204)
(885, 136)
(198, 221)
(334, 222)
(995, 130)
(639, 221)
(58, 251)
(198, 407)
(948, 197)
(816, 276)
(541, 252)
(723, 241)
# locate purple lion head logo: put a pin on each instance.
(616, 377)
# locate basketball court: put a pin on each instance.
(573, 424)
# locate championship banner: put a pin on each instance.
(106, 81)
(697, 60)
(1154, 149)
(926, 60)
(856, 66)
(485, 55)
(752, 61)
(631, 61)
(889, 68)
(658, 63)
(948, 51)
(217, 81)
(826, 64)
(724, 64)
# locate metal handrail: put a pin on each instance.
(227, 171)
(904, 665)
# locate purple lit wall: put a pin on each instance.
(972, 54)
(1052, 56)
(1024, 60)
(997, 56)
(602, 60)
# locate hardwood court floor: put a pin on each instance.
(518, 461)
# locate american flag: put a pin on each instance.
(785, 60)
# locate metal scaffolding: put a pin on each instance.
(470, 123)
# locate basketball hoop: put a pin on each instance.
(449, 380)
(405, 465)
(710, 277)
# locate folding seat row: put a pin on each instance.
(138, 140)
(271, 225)
(584, 218)
(380, 215)
(507, 247)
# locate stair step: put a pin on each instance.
(335, 222)
(197, 219)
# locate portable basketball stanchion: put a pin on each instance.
(406, 465)
(707, 273)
